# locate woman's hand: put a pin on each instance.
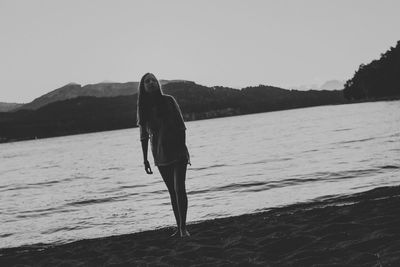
(147, 167)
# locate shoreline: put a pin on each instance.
(361, 229)
(4, 140)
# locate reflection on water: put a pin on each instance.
(60, 189)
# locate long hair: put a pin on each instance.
(145, 101)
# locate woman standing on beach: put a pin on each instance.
(160, 119)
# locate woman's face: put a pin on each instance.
(150, 83)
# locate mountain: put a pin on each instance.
(73, 90)
(90, 114)
(305, 87)
(328, 85)
(379, 79)
(5, 107)
(332, 85)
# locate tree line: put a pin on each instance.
(92, 114)
(378, 79)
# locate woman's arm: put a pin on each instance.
(145, 144)
(144, 139)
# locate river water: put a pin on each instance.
(62, 189)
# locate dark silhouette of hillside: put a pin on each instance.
(6, 107)
(74, 90)
(378, 79)
(91, 114)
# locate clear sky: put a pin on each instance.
(46, 44)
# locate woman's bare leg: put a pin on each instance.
(181, 196)
(167, 173)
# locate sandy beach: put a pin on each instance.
(357, 230)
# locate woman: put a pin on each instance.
(160, 119)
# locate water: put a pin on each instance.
(63, 189)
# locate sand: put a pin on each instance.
(356, 230)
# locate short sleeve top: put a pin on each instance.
(167, 135)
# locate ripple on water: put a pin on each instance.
(343, 129)
(355, 141)
(65, 228)
(257, 186)
(95, 201)
(208, 167)
(42, 212)
(390, 167)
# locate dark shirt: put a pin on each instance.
(167, 135)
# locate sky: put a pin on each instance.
(45, 44)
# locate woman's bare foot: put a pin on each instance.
(184, 232)
(176, 233)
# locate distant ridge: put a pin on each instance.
(6, 107)
(74, 90)
(332, 85)
(328, 85)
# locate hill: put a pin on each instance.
(74, 90)
(378, 79)
(5, 107)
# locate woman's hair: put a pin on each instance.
(145, 101)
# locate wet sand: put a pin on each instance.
(357, 230)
